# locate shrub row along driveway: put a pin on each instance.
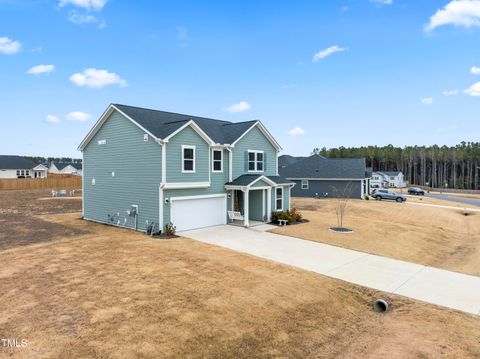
(431, 285)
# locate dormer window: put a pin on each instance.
(188, 159)
(255, 161)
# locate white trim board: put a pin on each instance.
(196, 128)
(325, 179)
(185, 198)
(183, 185)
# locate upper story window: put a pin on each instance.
(217, 161)
(304, 184)
(188, 159)
(255, 161)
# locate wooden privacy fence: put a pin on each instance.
(53, 181)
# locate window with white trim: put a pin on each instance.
(188, 159)
(255, 161)
(279, 198)
(304, 184)
(217, 161)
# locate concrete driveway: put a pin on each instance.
(431, 285)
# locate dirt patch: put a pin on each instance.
(21, 220)
(438, 237)
(114, 293)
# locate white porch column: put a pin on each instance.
(362, 184)
(263, 204)
(246, 222)
(269, 204)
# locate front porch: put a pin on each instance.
(251, 197)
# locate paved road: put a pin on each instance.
(431, 285)
(472, 201)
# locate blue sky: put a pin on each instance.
(316, 73)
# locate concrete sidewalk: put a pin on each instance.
(431, 285)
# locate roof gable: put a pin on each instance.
(162, 125)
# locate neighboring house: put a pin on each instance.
(52, 168)
(70, 168)
(179, 169)
(65, 168)
(20, 167)
(317, 176)
(387, 179)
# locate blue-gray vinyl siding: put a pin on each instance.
(137, 167)
(321, 187)
(255, 206)
(254, 140)
(190, 137)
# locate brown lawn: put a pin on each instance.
(438, 237)
(93, 291)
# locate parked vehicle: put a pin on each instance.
(416, 191)
(386, 194)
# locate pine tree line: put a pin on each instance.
(448, 167)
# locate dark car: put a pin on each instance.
(416, 191)
(386, 194)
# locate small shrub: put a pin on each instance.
(291, 216)
(367, 197)
(170, 229)
(295, 215)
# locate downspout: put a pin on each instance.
(163, 182)
(230, 168)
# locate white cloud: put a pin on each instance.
(475, 70)
(450, 92)
(242, 106)
(473, 90)
(80, 19)
(52, 119)
(41, 69)
(95, 78)
(457, 12)
(78, 116)
(8, 46)
(85, 4)
(327, 52)
(345, 8)
(382, 2)
(288, 86)
(296, 131)
(427, 100)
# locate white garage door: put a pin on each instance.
(190, 213)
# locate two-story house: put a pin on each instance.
(393, 179)
(143, 166)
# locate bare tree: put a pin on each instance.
(342, 197)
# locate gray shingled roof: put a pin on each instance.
(61, 165)
(161, 124)
(317, 166)
(245, 180)
(15, 163)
